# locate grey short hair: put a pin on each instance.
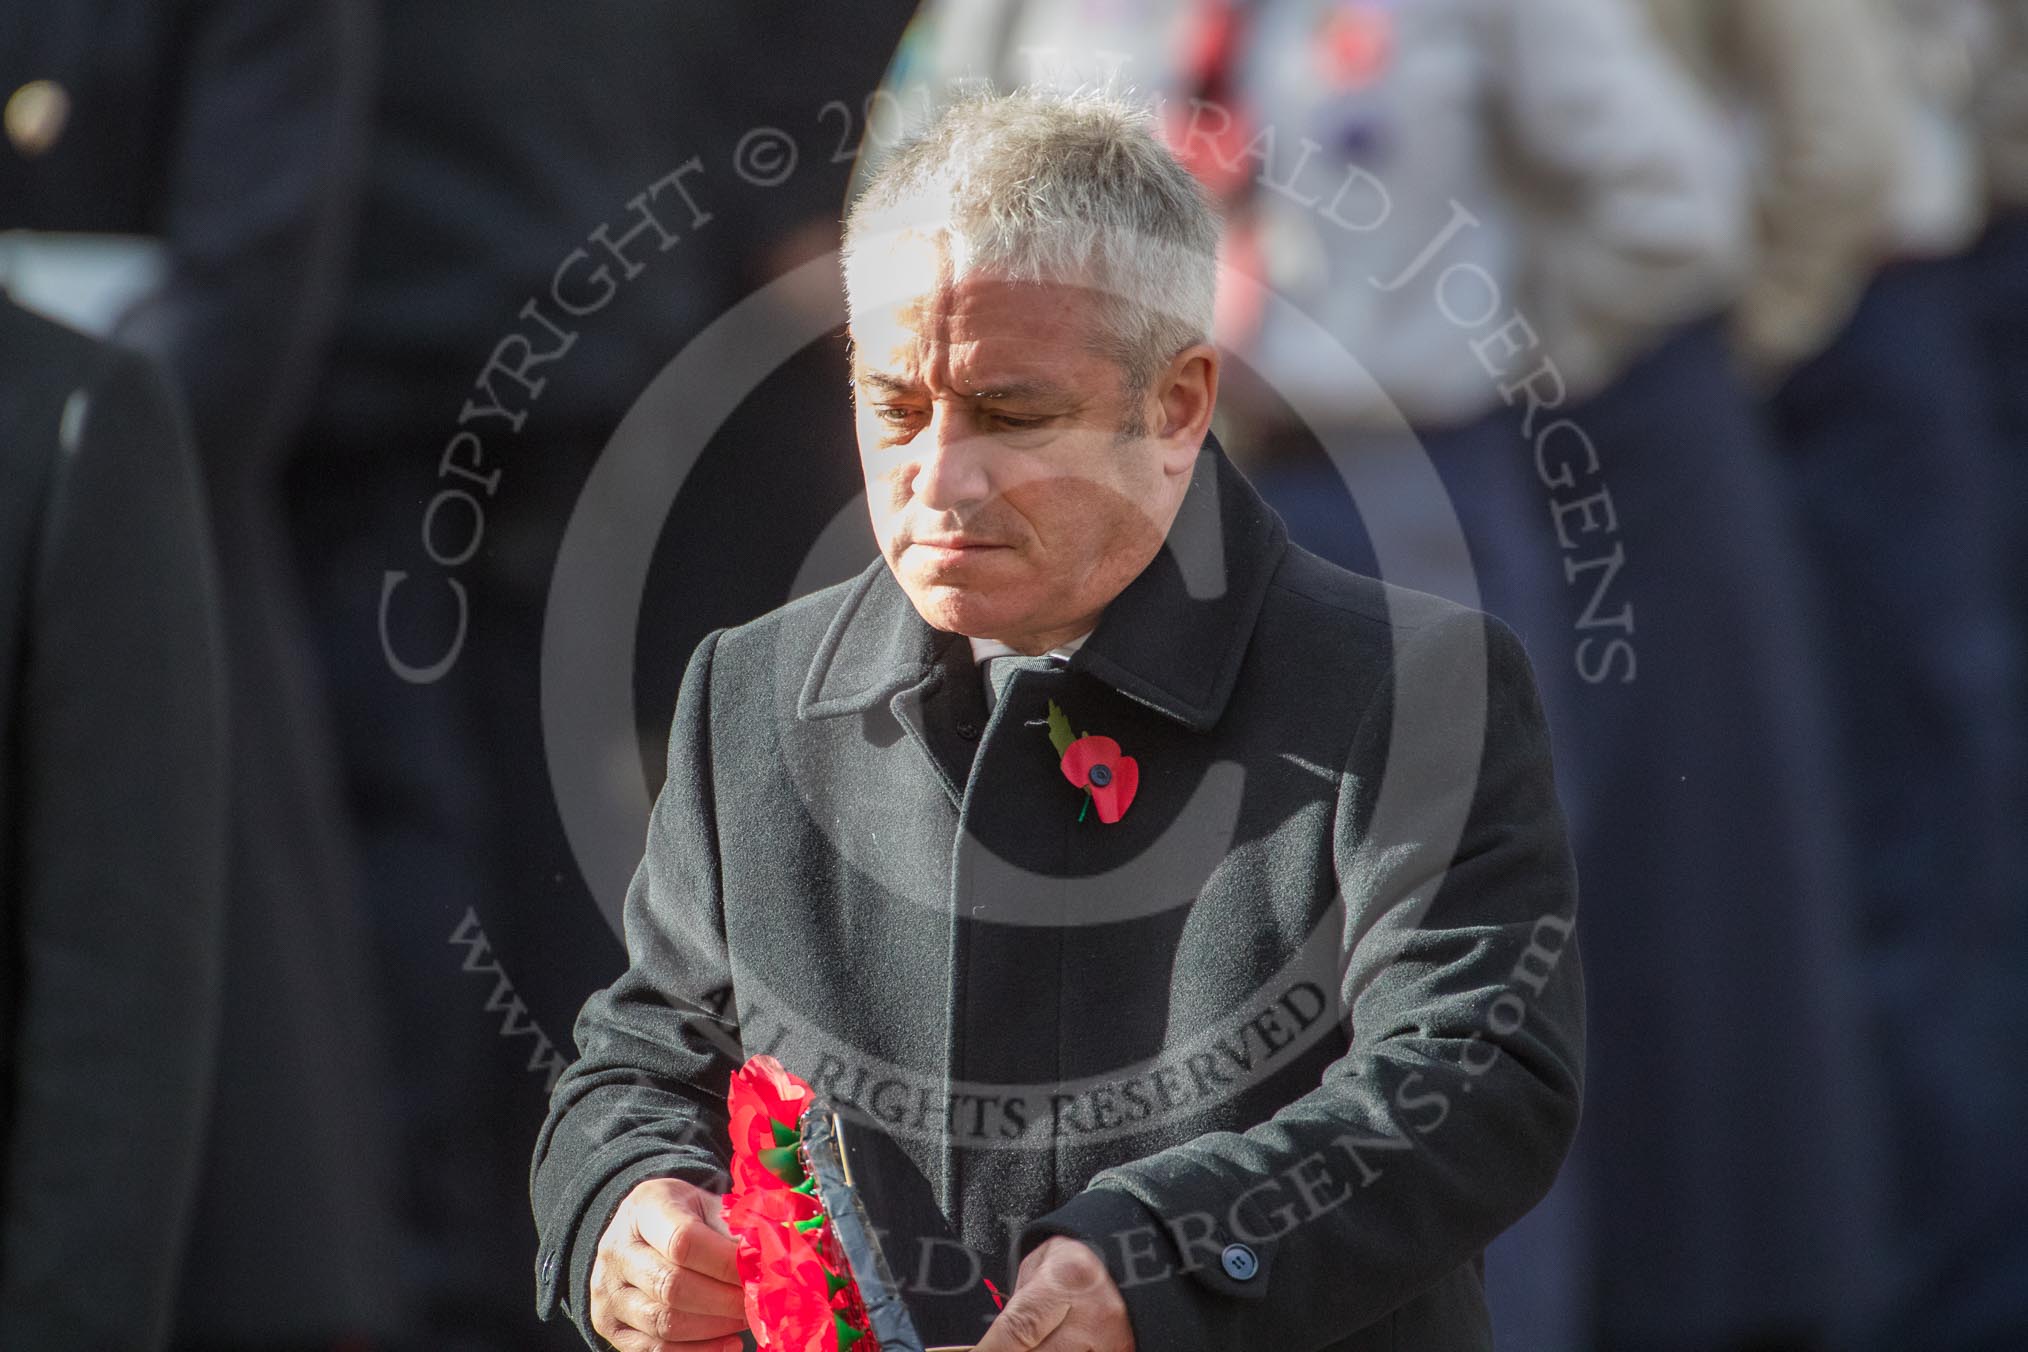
(1064, 187)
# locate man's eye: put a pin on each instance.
(1013, 422)
(894, 415)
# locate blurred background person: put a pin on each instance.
(1807, 85)
(1999, 293)
(112, 714)
(1999, 287)
(2000, 278)
(1530, 227)
(1896, 481)
(232, 133)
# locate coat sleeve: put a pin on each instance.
(1455, 1103)
(656, 1049)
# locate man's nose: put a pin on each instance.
(952, 473)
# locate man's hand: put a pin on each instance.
(666, 1278)
(1064, 1301)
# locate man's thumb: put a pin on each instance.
(1032, 1314)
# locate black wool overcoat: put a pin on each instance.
(1288, 1043)
(112, 878)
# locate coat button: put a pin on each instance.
(1239, 1262)
(968, 730)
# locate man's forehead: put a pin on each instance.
(927, 270)
(977, 306)
(973, 361)
(990, 331)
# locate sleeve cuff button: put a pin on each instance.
(1239, 1262)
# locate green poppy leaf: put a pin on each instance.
(1060, 735)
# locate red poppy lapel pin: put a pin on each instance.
(1095, 765)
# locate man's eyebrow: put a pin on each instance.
(1020, 389)
(997, 391)
(886, 383)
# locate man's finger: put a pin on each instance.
(689, 1241)
(633, 1340)
(633, 1308)
(639, 1265)
(1075, 1335)
(605, 1280)
(698, 1247)
(636, 1263)
(1026, 1323)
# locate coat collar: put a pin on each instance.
(1173, 639)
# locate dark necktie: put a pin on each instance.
(1000, 670)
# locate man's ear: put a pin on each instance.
(1185, 393)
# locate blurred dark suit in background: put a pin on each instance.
(112, 782)
(233, 131)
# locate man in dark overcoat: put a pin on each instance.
(1195, 914)
(112, 879)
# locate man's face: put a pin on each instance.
(1009, 495)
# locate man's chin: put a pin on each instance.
(958, 608)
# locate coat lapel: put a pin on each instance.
(1175, 637)
(876, 647)
(879, 653)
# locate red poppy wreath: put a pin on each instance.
(800, 1296)
(802, 1260)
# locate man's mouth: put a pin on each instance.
(956, 542)
(946, 548)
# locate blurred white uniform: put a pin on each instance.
(1421, 173)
